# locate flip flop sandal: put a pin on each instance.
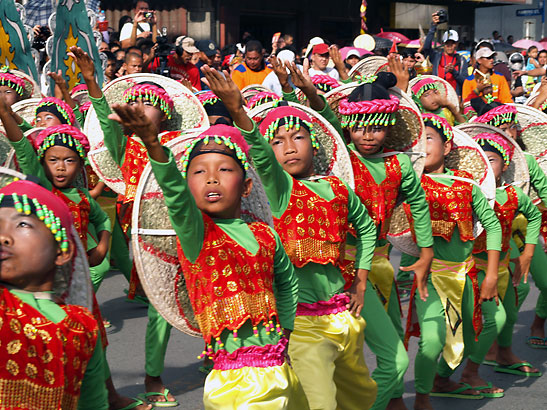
(490, 362)
(166, 403)
(513, 369)
(106, 323)
(458, 393)
(136, 403)
(488, 395)
(141, 300)
(206, 369)
(542, 345)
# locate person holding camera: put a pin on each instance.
(143, 26)
(447, 64)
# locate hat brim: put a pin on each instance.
(368, 66)
(466, 155)
(188, 113)
(32, 89)
(190, 49)
(532, 124)
(155, 244)
(251, 90)
(332, 157)
(444, 87)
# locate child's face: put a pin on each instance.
(436, 150)
(294, 151)
(430, 100)
(496, 161)
(110, 69)
(46, 119)
(368, 140)
(29, 253)
(155, 114)
(533, 53)
(510, 128)
(62, 166)
(9, 94)
(217, 183)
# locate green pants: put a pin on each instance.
(494, 321)
(157, 337)
(98, 273)
(431, 316)
(385, 340)
(406, 260)
(120, 251)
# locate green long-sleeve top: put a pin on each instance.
(187, 221)
(528, 209)
(316, 282)
(456, 250)
(93, 394)
(30, 165)
(537, 177)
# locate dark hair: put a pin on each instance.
(109, 55)
(531, 48)
(542, 51)
(135, 2)
(254, 45)
(133, 49)
(145, 45)
(123, 20)
(376, 90)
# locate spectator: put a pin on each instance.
(133, 63)
(179, 64)
(38, 12)
(352, 58)
(272, 81)
(142, 26)
(485, 81)
(447, 64)
(207, 53)
(320, 58)
(217, 59)
(104, 47)
(253, 70)
(409, 63)
(110, 69)
(510, 39)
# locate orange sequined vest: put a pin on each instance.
(228, 285)
(136, 158)
(506, 213)
(313, 229)
(42, 364)
(80, 213)
(450, 206)
(379, 199)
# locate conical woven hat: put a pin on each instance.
(444, 87)
(155, 243)
(332, 157)
(188, 113)
(465, 155)
(26, 109)
(251, 90)
(32, 89)
(532, 125)
(542, 162)
(368, 66)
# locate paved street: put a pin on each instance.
(126, 358)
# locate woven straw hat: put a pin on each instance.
(26, 109)
(444, 87)
(332, 157)
(249, 91)
(542, 162)
(532, 125)
(72, 282)
(32, 89)
(6, 150)
(188, 113)
(465, 155)
(155, 243)
(533, 95)
(368, 66)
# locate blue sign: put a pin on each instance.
(529, 12)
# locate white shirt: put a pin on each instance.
(127, 28)
(327, 71)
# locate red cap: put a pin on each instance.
(320, 49)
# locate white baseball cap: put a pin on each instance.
(353, 52)
(484, 52)
(451, 35)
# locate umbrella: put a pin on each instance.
(505, 47)
(345, 50)
(393, 36)
(382, 43)
(524, 43)
(416, 44)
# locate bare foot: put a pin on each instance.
(537, 330)
(445, 385)
(155, 384)
(470, 375)
(422, 402)
(396, 404)
(116, 401)
(492, 353)
(506, 357)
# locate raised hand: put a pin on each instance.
(280, 71)
(133, 118)
(395, 65)
(338, 62)
(83, 61)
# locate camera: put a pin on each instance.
(39, 42)
(148, 15)
(442, 15)
(164, 50)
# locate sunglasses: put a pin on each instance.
(489, 58)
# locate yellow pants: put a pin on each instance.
(254, 388)
(327, 355)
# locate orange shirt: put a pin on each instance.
(244, 76)
(500, 88)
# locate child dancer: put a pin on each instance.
(450, 280)
(312, 215)
(241, 321)
(36, 231)
(425, 93)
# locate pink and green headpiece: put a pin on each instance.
(496, 143)
(152, 93)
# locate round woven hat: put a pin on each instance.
(32, 89)
(517, 172)
(155, 243)
(188, 113)
(250, 91)
(26, 109)
(6, 150)
(532, 125)
(368, 66)
(444, 87)
(465, 155)
(72, 283)
(332, 157)
(408, 133)
(533, 95)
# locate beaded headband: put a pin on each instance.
(324, 83)
(207, 97)
(543, 106)
(262, 98)
(58, 108)
(79, 87)
(365, 113)
(440, 123)
(62, 135)
(424, 85)
(152, 93)
(221, 135)
(10, 80)
(290, 118)
(84, 108)
(501, 114)
(496, 141)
